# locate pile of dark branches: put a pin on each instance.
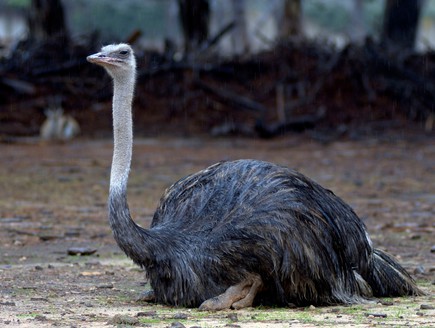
(297, 86)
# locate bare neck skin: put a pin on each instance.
(122, 131)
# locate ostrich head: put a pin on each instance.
(117, 59)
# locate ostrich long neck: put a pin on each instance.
(140, 244)
(129, 236)
(122, 133)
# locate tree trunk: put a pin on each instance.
(47, 22)
(357, 30)
(239, 36)
(290, 25)
(194, 17)
(401, 22)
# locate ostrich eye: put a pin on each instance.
(123, 52)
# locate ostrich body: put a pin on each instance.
(242, 232)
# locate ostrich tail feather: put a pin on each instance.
(388, 278)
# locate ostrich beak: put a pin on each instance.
(95, 58)
(102, 59)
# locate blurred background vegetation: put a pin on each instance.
(333, 20)
(259, 67)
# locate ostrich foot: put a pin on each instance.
(146, 296)
(237, 297)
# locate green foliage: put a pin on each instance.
(428, 11)
(18, 3)
(373, 16)
(118, 19)
(329, 15)
(335, 17)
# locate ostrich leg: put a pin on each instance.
(238, 296)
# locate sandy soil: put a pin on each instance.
(53, 198)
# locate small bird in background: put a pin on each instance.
(58, 126)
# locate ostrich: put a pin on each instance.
(242, 232)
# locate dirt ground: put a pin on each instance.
(53, 200)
